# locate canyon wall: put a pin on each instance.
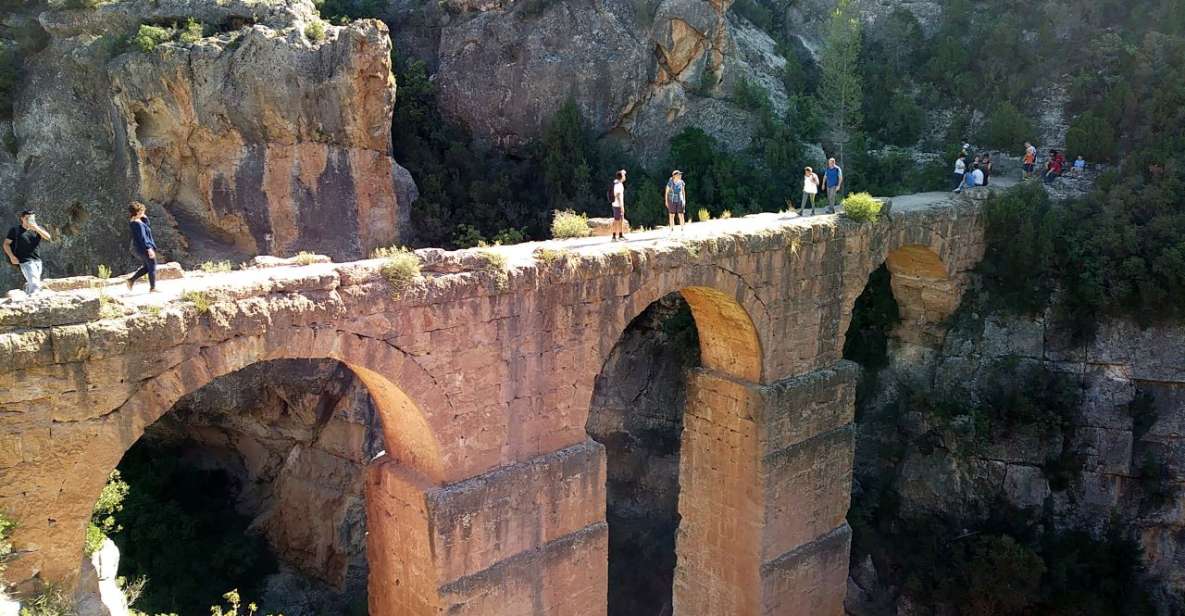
(249, 138)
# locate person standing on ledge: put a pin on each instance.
(834, 175)
(810, 188)
(143, 246)
(617, 200)
(676, 198)
(20, 245)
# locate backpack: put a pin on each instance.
(612, 197)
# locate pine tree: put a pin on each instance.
(841, 91)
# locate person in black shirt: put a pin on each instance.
(143, 246)
(20, 245)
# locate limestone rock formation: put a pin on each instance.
(252, 139)
(1127, 435)
(640, 72)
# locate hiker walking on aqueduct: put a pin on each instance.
(143, 246)
(20, 245)
(834, 175)
(810, 189)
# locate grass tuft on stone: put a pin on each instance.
(213, 267)
(548, 256)
(568, 224)
(703, 215)
(305, 257)
(401, 269)
(202, 300)
(315, 31)
(496, 264)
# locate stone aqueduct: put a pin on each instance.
(490, 498)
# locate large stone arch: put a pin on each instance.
(402, 571)
(728, 313)
(720, 503)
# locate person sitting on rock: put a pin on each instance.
(975, 178)
(143, 246)
(21, 247)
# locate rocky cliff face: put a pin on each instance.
(251, 139)
(640, 71)
(1119, 462)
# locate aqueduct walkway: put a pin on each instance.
(490, 498)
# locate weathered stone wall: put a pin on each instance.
(484, 386)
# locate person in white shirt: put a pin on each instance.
(810, 188)
(960, 172)
(975, 178)
(617, 227)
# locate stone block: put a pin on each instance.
(810, 580)
(798, 408)
(808, 489)
(515, 509)
(568, 575)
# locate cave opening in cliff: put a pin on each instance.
(637, 414)
(254, 482)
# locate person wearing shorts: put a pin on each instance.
(676, 199)
(1030, 159)
(617, 227)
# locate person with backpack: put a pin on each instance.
(20, 245)
(810, 189)
(143, 246)
(834, 178)
(1030, 160)
(676, 199)
(617, 203)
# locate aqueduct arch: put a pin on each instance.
(397, 482)
(488, 382)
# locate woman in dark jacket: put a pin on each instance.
(143, 245)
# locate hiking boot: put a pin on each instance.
(830, 210)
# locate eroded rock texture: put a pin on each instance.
(1117, 464)
(637, 414)
(295, 435)
(640, 72)
(253, 139)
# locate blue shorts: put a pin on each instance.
(618, 213)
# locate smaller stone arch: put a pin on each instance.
(926, 293)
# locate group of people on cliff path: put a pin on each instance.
(675, 196)
(22, 242)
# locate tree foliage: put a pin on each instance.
(841, 91)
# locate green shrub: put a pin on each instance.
(103, 518)
(191, 32)
(862, 207)
(507, 237)
(726, 214)
(567, 224)
(401, 269)
(1021, 228)
(6, 528)
(1006, 129)
(83, 4)
(148, 37)
(315, 30)
(1091, 137)
(749, 96)
(703, 215)
(10, 77)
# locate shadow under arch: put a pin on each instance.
(409, 408)
(645, 388)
